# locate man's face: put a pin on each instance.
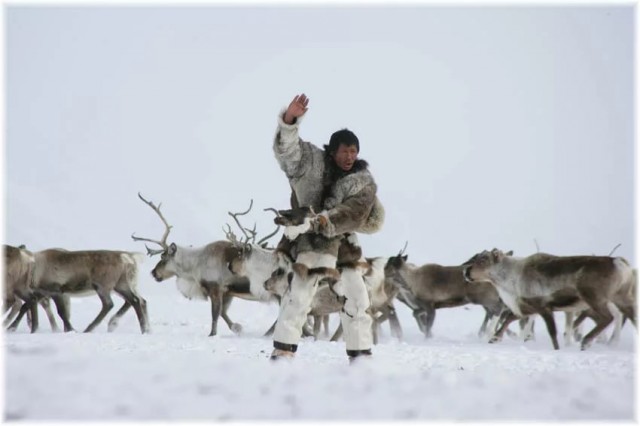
(345, 156)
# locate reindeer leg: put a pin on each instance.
(629, 311)
(493, 324)
(547, 316)
(15, 308)
(501, 318)
(419, 315)
(33, 310)
(325, 322)
(62, 306)
(107, 305)
(215, 294)
(431, 316)
(126, 288)
(23, 310)
(307, 329)
(317, 323)
(617, 324)
(131, 298)
(394, 324)
(577, 335)
(113, 322)
(375, 328)
(483, 327)
(603, 318)
(376, 323)
(140, 306)
(527, 325)
(338, 334)
(233, 326)
(568, 328)
(52, 319)
(509, 317)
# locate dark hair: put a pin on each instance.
(342, 137)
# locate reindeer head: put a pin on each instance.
(396, 263)
(479, 266)
(164, 268)
(293, 217)
(281, 277)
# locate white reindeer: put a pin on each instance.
(206, 272)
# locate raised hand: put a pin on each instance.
(297, 108)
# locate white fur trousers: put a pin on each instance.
(356, 321)
(296, 301)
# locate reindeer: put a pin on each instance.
(432, 286)
(543, 283)
(207, 272)
(572, 328)
(60, 273)
(18, 268)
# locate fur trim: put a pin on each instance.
(375, 220)
(284, 125)
(191, 289)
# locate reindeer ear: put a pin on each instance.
(496, 254)
(509, 253)
(172, 249)
(405, 257)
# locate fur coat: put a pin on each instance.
(348, 199)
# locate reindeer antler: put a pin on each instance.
(403, 248)
(249, 234)
(231, 236)
(242, 228)
(163, 241)
(263, 240)
(614, 249)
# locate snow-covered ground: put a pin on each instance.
(177, 372)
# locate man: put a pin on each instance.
(337, 185)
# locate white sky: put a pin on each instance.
(484, 126)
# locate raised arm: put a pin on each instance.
(291, 151)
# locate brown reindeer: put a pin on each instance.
(432, 286)
(18, 270)
(543, 283)
(60, 273)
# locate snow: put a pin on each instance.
(177, 372)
